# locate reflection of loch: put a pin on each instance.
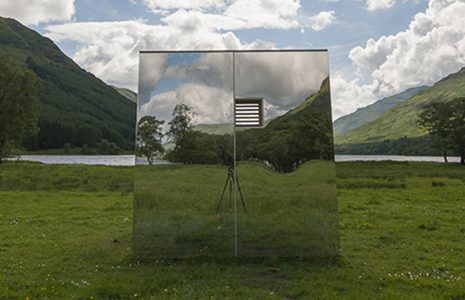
(285, 164)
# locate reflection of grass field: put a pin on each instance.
(65, 232)
(293, 215)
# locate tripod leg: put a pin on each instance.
(222, 195)
(240, 193)
(230, 191)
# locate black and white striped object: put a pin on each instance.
(248, 112)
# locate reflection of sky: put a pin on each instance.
(166, 84)
(202, 81)
(182, 58)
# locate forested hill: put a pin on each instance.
(75, 106)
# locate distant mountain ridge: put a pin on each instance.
(397, 131)
(372, 112)
(75, 106)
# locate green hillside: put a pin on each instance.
(400, 121)
(371, 112)
(219, 129)
(127, 93)
(75, 106)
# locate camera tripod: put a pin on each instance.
(230, 181)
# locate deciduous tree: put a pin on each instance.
(445, 121)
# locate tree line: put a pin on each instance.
(284, 144)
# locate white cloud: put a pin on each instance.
(239, 14)
(265, 13)
(349, 94)
(379, 4)
(321, 20)
(110, 50)
(432, 47)
(162, 5)
(279, 15)
(33, 12)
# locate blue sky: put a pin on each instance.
(377, 47)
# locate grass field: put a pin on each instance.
(65, 232)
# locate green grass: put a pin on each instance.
(64, 240)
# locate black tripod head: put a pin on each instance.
(230, 164)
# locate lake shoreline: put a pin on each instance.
(131, 160)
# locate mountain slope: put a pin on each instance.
(372, 112)
(401, 120)
(127, 93)
(75, 106)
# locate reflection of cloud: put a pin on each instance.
(213, 69)
(212, 104)
(284, 79)
(151, 71)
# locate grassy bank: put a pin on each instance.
(66, 231)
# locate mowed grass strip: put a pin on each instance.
(69, 241)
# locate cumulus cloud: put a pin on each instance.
(432, 47)
(33, 12)
(265, 13)
(379, 4)
(110, 50)
(238, 14)
(348, 94)
(321, 20)
(162, 5)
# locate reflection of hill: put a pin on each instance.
(221, 128)
(317, 102)
(304, 133)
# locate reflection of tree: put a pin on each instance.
(181, 124)
(287, 146)
(149, 137)
(445, 121)
(302, 134)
